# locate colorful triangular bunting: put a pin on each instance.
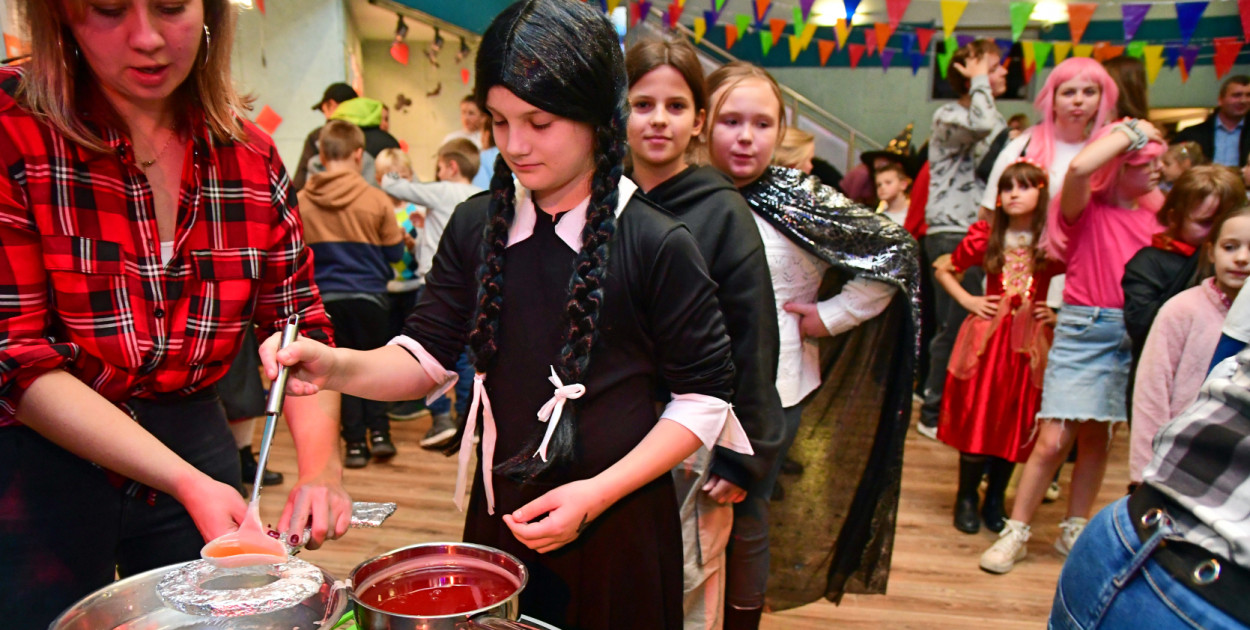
(731, 36)
(1041, 50)
(1153, 58)
(1020, 12)
(883, 32)
(925, 35)
(826, 48)
(1187, 16)
(857, 52)
(674, 14)
(806, 7)
(1079, 14)
(1062, 50)
(917, 60)
(1226, 51)
(700, 29)
(796, 47)
(761, 10)
(776, 26)
(1083, 50)
(895, 10)
(1134, 15)
(1136, 49)
(887, 55)
(1171, 54)
(809, 31)
(851, 7)
(1189, 56)
(766, 42)
(1243, 7)
(799, 21)
(951, 12)
(842, 30)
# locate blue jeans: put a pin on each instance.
(1110, 582)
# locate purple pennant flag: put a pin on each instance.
(1189, 54)
(851, 6)
(964, 40)
(806, 6)
(1187, 15)
(1005, 46)
(1134, 15)
(887, 55)
(644, 9)
(917, 60)
(710, 17)
(1171, 54)
(909, 43)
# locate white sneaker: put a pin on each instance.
(927, 431)
(1069, 530)
(1010, 548)
(1052, 493)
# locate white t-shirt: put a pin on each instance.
(1056, 170)
(472, 136)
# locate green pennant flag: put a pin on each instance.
(1136, 49)
(744, 23)
(798, 21)
(766, 42)
(1041, 50)
(1020, 12)
(944, 58)
(720, 4)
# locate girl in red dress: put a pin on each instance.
(994, 381)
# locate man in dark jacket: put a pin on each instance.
(335, 94)
(1224, 135)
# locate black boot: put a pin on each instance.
(740, 619)
(993, 508)
(247, 465)
(966, 518)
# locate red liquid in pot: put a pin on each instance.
(442, 589)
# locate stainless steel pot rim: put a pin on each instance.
(351, 578)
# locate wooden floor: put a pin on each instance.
(934, 580)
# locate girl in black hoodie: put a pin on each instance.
(667, 101)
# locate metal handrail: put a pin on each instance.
(852, 136)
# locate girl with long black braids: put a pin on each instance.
(563, 276)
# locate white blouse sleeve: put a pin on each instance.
(444, 379)
(1010, 153)
(711, 419)
(859, 301)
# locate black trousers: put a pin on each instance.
(948, 315)
(360, 324)
(65, 528)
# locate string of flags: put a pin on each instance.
(913, 43)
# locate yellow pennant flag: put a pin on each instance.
(700, 29)
(1154, 62)
(612, 4)
(951, 10)
(681, 3)
(1083, 50)
(796, 47)
(809, 31)
(843, 31)
(1062, 50)
(1029, 59)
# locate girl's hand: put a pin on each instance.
(568, 509)
(215, 507)
(985, 307)
(320, 503)
(311, 362)
(1150, 130)
(809, 319)
(1044, 314)
(723, 491)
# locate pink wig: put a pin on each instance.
(1103, 181)
(1042, 142)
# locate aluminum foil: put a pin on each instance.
(364, 514)
(200, 588)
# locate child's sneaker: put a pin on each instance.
(1069, 530)
(357, 455)
(1010, 548)
(1052, 493)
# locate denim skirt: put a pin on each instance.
(1087, 369)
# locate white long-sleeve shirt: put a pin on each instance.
(440, 200)
(796, 277)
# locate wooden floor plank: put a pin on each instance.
(934, 582)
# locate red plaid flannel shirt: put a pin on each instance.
(82, 285)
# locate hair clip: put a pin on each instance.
(1024, 160)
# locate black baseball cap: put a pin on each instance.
(337, 92)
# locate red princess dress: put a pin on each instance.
(994, 378)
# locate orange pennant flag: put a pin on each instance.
(777, 26)
(1079, 15)
(761, 9)
(731, 36)
(843, 31)
(826, 49)
(884, 31)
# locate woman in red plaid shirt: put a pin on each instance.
(144, 226)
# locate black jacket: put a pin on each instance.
(1151, 277)
(707, 202)
(1204, 134)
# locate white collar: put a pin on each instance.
(569, 227)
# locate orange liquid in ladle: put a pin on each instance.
(247, 546)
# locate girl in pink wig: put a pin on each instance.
(1107, 212)
(1078, 98)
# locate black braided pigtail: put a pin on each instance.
(585, 301)
(482, 341)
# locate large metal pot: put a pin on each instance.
(134, 604)
(498, 615)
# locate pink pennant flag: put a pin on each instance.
(895, 9)
(1243, 7)
(870, 45)
(925, 35)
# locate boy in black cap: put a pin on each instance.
(336, 93)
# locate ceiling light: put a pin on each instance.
(1049, 12)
